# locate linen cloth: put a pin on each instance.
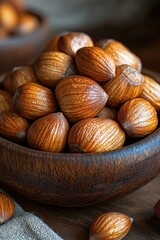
(26, 226)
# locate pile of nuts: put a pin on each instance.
(79, 96)
(14, 19)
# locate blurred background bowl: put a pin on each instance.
(23, 49)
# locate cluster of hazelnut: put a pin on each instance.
(79, 96)
(15, 20)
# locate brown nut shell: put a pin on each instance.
(151, 92)
(80, 97)
(5, 101)
(49, 133)
(95, 63)
(122, 55)
(7, 207)
(13, 127)
(51, 67)
(71, 42)
(95, 135)
(138, 117)
(110, 226)
(19, 76)
(9, 17)
(108, 112)
(127, 84)
(33, 100)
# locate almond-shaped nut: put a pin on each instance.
(33, 100)
(127, 84)
(80, 97)
(122, 55)
(5, 101)
(8, 16)
(111, 226)
(95, 63)
(71, 42)
(51, 67)
(49, 133)
(27, 23)
(157, 209)
(138, 117)
(151, 91)
(96, 135)
(102, 43)
(13, 127)
(21, 75)
(7, 207)
(108, 112)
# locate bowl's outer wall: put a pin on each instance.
(66, 179)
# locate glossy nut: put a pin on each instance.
(27, 23)
(95, 63)
(138, 117)
(95, 135)
(13, 127)
(9, 18)
(110, 226)
(51, 67)
(5, 101)
(122, 55)
(33, 100)
(69, 43)
(49, 133)
(151, 92)
(108, 112)
(127, 84)
(80, 97)
(7, 207)
(19, 76)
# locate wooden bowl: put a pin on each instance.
(69, 179)
(23, 49)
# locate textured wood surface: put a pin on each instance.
(74, 223)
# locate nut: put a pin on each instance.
(9, 18)
(13, 127)
(95, 135)
(49, 133)
(80, 97)
(33, 100)
(122, 55)
(157, 209)
(7, 207)
(127, 84)
(95, 63)
(18, 77)
(51, 67)
(151, 92)
(111, 226)
(52, 45)
(103, 42)
(69, 43)
(27, 23)
(108, 112)
(138, 117)
(5, 101)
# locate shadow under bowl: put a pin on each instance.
(75, 180)
(23, 49)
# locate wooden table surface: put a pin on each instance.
(73, 224)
